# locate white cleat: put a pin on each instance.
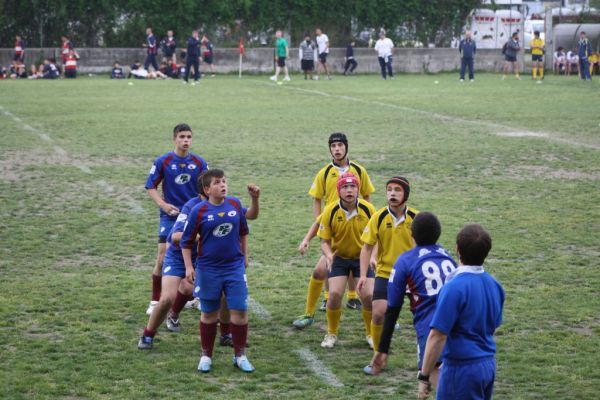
(287, 78)
(192, 303)
(273, 78)
(329, 341)
(151, 307)
(204, 364)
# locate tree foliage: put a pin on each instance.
(122, 23)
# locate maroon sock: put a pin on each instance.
(179, 303)
(239, 334)
(208, 333)
(156, 287)
(148, 332)
(225, 328)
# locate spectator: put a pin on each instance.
(467, 50)
(193, 58)
(594, 59)
(17, 70)
(385, 49)
(169, 47)
(559, 61)
(137, 71)
(537, 56)
(151, 50)
(282, 52)
(584, 48)
(65, 47)
(307, 56)
(3, 72)
(172, 69)
(510, 50)
(71, 64)
(48, 70)
(19, 49)
(323, 51)
(117, 71)
(572, 61)
(208, 54)
(350, 61)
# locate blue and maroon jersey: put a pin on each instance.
(220, 228)
(151, 41)
(423, 270)
(208, 48)
(179, 177)
(19, 47)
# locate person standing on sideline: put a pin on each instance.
(467, 49)
(282, 51)
(323, 50)
(169, 47)
(192, 58)
(70, 64)
(510, 50)
(306, 54)
(151, 50)
(65, 47)
(385, 49)
(468, 312)
(584, 50)
(350, 61)
(19, 49)
(537, 56)
(208, 54)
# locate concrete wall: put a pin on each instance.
(260, 60)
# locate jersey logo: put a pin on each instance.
(223, 230)
(210, 217)
(182, 179)
(173, 166)
(181, 217)
(181, 165)
(232, 213)
(192, 166)
(152, 170)
(388, 225)
(221, 214)
(423, 252)
(392, 275)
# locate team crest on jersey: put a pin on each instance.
(182, 165)
(221, 214)
(192, 166)
(173, 166)
(182, 179)
(232, 213)
(223, 230)
(423, 252)
(388, 225)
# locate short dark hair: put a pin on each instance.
(514, 34)
(206, 178)
(426, 228)
(473, 244)
(181, 128)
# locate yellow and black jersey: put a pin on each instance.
(344, 228)
(537, 43)
(393, 234)
(324, 186)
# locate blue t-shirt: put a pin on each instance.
(179, 177)
(220, 229)
(174, 250)
(423, 270)
(469, 310)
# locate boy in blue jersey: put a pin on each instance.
(423, 271)
(220, 265)
(176, 291)
(178, 171)
(468, 312)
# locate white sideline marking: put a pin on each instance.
(259, 310)
(133, 205)
(502, 130)
(318, 367)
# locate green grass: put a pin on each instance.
(75, 258)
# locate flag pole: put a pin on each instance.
(241, 49)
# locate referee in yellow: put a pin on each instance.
(342, 224)
(390, 229)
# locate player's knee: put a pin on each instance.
(320, 273)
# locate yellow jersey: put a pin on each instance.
(393, 234)
(537, 43)
(325, 183)
(344, 229)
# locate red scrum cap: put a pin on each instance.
(347, 177)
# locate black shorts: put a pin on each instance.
(537, 57)
(510, 58)
(380, 289)
(18, 58)
(70, 73)
(323, 58)
(343, 267)
(208, 59)
(281, 61)
(307, 65)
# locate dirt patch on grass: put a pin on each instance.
(527, 172)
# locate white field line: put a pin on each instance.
(496, 129)
(133, 205)
(318, 368)
(259, 310)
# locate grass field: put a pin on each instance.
(78, 231)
